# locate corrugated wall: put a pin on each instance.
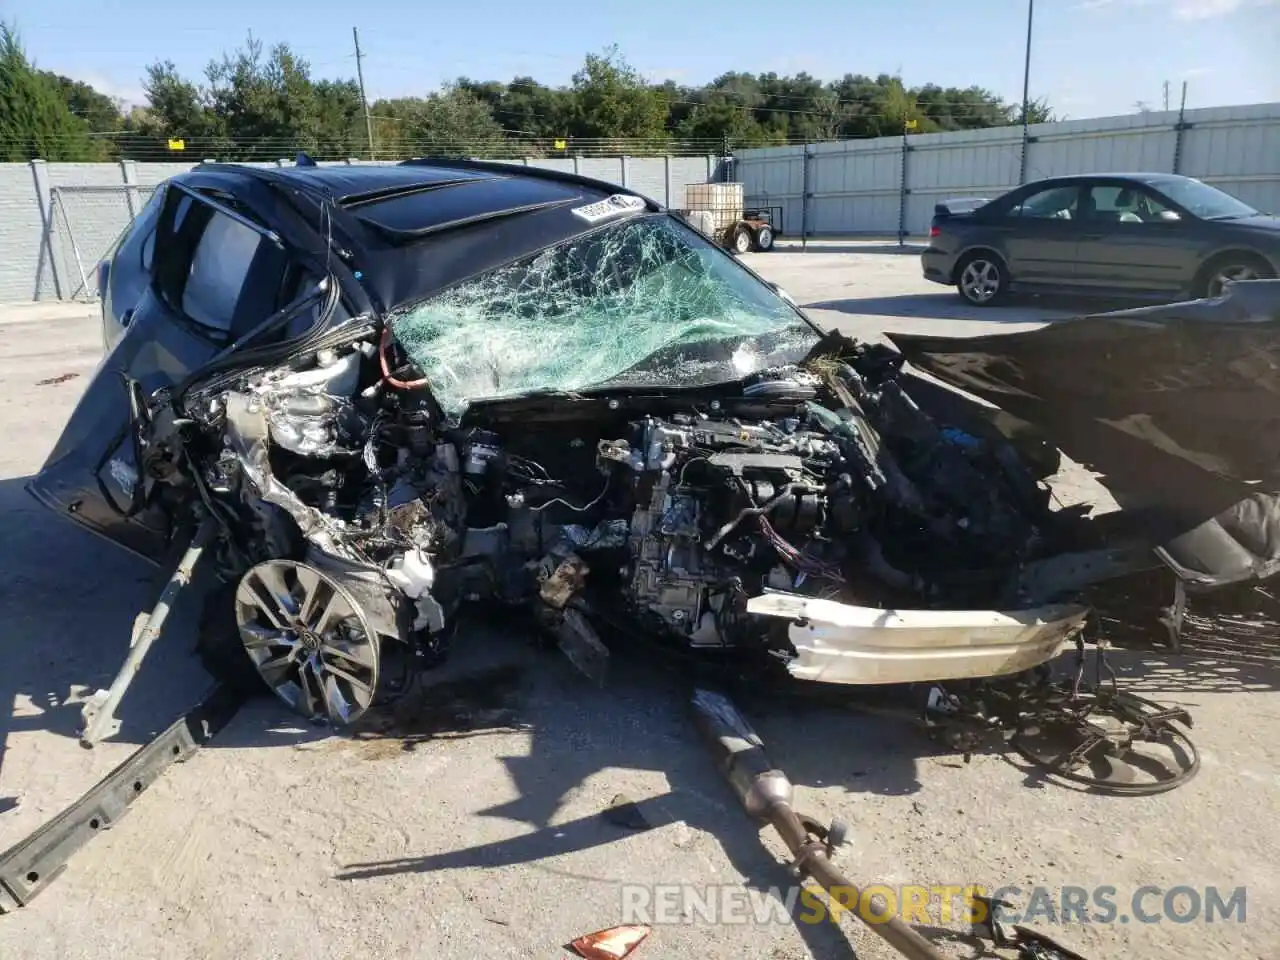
(875, 186)
(91, 203)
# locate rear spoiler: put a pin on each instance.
(951, 208)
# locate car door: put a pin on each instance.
(1134, 240)
(215, 273)
(124, 273)
(1040, 233)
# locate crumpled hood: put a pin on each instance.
(1176, 406)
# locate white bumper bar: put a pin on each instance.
(842, 643)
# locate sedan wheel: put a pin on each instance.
(1230, 273)
(981, 281)
(309, 640)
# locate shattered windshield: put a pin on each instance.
(644, 302)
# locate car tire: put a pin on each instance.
(1213, 276)
(219, 647)
(764, 238)
(740, 240)
(981, 279)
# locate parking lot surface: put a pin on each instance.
(468, 825)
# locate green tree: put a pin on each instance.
(177, 110)
(35, 120)
(100, 112)
(267, 105)
(612, 102)
(340, 132)
(259, 105)
(451, 123)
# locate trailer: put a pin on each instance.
(717, 210)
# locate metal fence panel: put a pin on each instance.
(21, 234)
(648, 178)
(853, 190)
(687, 170)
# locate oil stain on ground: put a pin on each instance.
(470, 705)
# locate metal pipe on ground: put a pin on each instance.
(767, 794)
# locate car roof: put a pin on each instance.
(352, 183)
(420, 225)
(348, 182)
(1139, 177)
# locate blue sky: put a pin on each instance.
(1089, 57)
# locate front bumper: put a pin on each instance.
(843, 643)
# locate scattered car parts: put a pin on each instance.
(616, 943)
(767, 795)
(30, 865)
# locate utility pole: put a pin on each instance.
(1181, 128)
(1166, 96)
(368, 121)
(1026, 94)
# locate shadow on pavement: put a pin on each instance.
(1230, 638)
(67, 605)
(949, 306)
(826, 246)
(640, 721)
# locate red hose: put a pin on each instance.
(386, 371)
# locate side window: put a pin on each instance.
(1052, 203)
(137, 240)
(1115, 203)
(220, 268)
(213, 269)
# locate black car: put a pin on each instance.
(1143, 235)
(369, 394)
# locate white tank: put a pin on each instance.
(724, 201)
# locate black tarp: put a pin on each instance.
(1176, 406)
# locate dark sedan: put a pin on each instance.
(1142, 235)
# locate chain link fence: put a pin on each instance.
(85, 224)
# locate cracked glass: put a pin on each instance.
(643, 302)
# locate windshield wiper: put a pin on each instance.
(404, 236)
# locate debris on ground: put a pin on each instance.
(611, 944)
(60, 378)
(623, 812)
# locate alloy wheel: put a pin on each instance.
(1231, 273)
(980, 281)
(309, 640)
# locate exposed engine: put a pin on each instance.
(671, 509)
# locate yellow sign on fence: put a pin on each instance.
(177, 144)
(562, 144)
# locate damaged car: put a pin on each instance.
(368, 396)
